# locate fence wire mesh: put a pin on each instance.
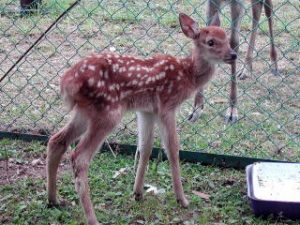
(268, 105)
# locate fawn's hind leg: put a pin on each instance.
(57, 146)
(98, 128)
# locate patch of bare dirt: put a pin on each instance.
(12, 170)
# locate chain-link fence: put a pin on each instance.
(268, 105)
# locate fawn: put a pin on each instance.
(214, 7)
(101, 88)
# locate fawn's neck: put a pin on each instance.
(200, 69)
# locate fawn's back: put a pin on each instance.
(110, 80)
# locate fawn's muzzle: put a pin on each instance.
(230, 57)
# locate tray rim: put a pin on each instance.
(250, 192)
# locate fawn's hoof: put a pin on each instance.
(183, 202)
(243, 76)
(231, 119)
(275, 72)
(138, 196)
(60, 204)
(194, 116)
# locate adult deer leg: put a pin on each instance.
(273, 53)
(256, 13)
(236, 12)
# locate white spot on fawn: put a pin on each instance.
(91, 82)
(172, 67)
(132, 68)
(82, 68)
(92, 67)
(148, 80)
(161, 75)
(100, 83)
(122, 69)
(101, 73)
(111, 87)
(106, 74)
(134, 82)
(115, 67)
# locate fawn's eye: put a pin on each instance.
(211, 43)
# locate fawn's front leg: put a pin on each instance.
(198, 106)
(145, 143)
(213, 9)
(169, 136)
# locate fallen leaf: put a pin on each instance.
(112, 49)
(120, 172)
(219, 101)
(215, 144)
(153, 189)
(256, 114)
(201, 195)
(36, 162)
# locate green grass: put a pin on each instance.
(268, 106)
(24, 201)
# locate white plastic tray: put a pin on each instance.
(276, 181)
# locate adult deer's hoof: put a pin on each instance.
(231, 116)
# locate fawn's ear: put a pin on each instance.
(189, 27)
(215, 20)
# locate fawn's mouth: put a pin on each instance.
(231, 57)
(229, 60)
